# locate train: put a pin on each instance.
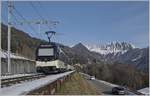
(47, 59)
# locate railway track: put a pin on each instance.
(12, 81)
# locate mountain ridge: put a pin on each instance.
(112, 47)
(24, 44)
(130, 55)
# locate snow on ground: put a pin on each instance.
(145, 91)
(15, 75)
(25, 87)
(4, 54)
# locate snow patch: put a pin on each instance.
(15, 76)
(145, 91)
(139, 56)
(4, 54)
(104, 50)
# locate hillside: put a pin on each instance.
(21, 42)
(25, 45)
(121, 52)
(77, 85)
(109, 67)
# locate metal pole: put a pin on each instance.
(39, 27)
(9, 35)
(0, 40)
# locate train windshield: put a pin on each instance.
(46, 52)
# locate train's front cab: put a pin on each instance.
(47, 59)
(47, 52)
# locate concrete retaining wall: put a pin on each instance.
(51, 88)
(18, 66)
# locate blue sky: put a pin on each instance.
(88, 22)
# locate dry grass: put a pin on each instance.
(77, 85)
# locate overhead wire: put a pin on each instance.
(17, 21)
(29, 24)
(15, 18)
(54, 23)
(42, 19)
(60, 49)
(41, 16)
(25, 20)
(37, 12)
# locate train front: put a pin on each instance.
(47, 59)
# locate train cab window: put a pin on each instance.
(46, 52)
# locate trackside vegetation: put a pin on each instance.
(77, 85)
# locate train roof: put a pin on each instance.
(47, 44)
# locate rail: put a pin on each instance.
(11, 81)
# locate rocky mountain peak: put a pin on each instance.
(119, 46)
(113, 47)
(79, 46)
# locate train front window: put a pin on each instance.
(46, 52)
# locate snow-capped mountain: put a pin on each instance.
(113, 47)
(120, 52)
